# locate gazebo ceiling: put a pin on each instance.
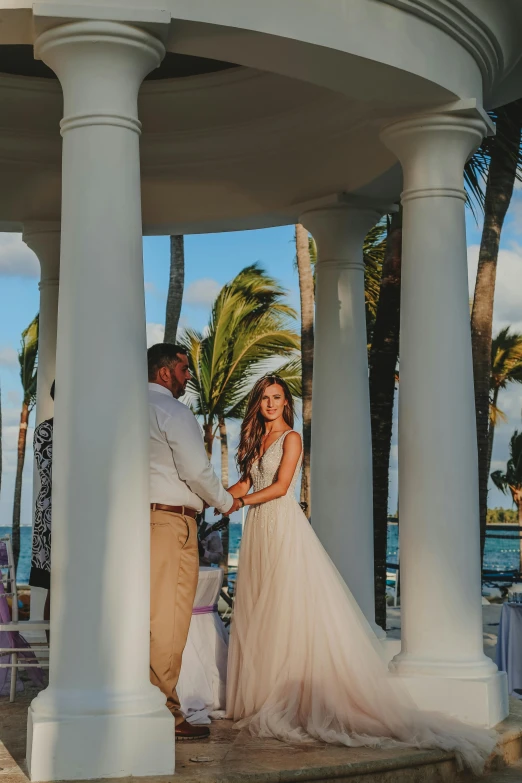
(295, 117)
(18, 60)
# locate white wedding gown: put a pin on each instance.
(303, 662)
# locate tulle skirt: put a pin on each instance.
(304, 664)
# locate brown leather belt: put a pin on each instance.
(185, 511)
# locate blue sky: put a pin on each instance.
(212, 260)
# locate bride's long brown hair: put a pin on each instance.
(253, 426)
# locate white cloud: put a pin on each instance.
(14, 397)
(8, 356)
(508, 287)
(10, 417)
(201, 293)
(155, 334)
(153, 290)
(16, 259)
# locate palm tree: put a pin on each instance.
(249, 327)
(503, 153)
(384, 354)
(306, 292)
(374, 252)
(506, 367)
(176, 284)
(28, 370)
(511, 479)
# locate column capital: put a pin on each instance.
(433, 149)
(339, 229)
(43, 237)
(83, 54)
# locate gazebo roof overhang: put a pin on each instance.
(256, 113)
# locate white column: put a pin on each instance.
(341, 469)
(442, 657)
(100, 716)
(44, 241)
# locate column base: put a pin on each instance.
(483, 702)
(99, 746)
(391, 648)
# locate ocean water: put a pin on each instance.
(499, 555)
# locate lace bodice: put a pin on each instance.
(264, 470)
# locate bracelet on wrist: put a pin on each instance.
(242, 502)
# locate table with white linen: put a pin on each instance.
(202, 681)
(509, 646)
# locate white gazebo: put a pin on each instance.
(187, 116)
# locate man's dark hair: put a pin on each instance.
(163, 355)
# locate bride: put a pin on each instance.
(304, 663)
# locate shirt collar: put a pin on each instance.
(160, 389)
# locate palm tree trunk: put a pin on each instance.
(383, 364)
(225, 541)
(491, 432)
(306, 291)
(225, 534)
(223, 436)
(499, 190)
(22, 438)
(519, 508)
(208, 437)
(176, 284)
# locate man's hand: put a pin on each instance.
(236, 505)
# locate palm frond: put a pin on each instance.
(28, 360)
(496, 415)
(477, 167)
(511, 478)
(250, 324)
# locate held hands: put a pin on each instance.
(236, 505)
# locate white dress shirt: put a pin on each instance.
(180, 472)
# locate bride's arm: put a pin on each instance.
(241, 488)
(285, 474)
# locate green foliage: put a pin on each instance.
(501, 516)
(477, 167)
(511, 478)
(506, 367)
(28, 359)
(250, 326)
(374, 249)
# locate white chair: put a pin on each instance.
(15, 652)
(202, 681)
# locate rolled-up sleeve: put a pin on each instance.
(193, 466)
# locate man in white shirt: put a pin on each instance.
(182, 481)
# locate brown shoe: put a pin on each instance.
(186, 731)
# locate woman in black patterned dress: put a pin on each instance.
(41, 554)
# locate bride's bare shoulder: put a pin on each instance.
(292, 440)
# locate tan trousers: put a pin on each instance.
(174, 572)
